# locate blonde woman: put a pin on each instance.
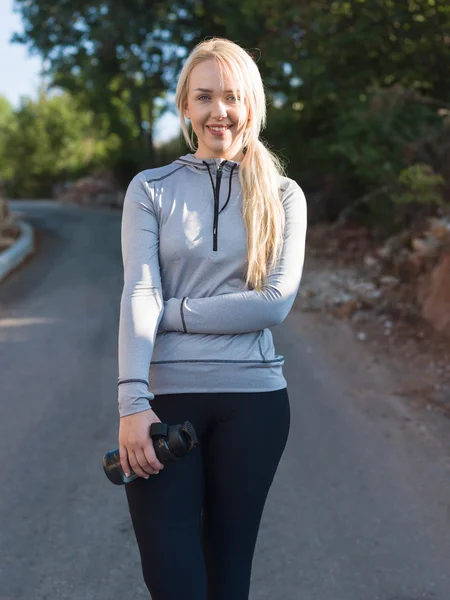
(213, 249)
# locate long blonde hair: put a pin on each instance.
(260, 170)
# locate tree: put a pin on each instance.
(48, 141)
(112, 55)
(322, 62)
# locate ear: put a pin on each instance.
(187, 112)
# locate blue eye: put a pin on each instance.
(233, 97)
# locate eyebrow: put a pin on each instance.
(211, 91)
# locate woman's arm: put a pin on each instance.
(141, 303)
(240, 312)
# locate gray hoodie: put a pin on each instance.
(187, 321)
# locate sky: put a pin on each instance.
(19, 71)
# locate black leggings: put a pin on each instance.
(197, 521)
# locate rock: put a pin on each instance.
(6, 242)
(363, 287)
(407, 265)
(440, 229)
(100, 189)
(427, 247)
(9, 230)
(370, 261)
(389, 280)
(346, 310)
(436, 302)
(391, 246)
(4, 210)
(340, 297)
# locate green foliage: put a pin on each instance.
(113, 57)
(376, 136)
(370, 78)
(171, 150)
(6, 111)
(419, 183)
(47, 141)
(356, 88)
(6, 122)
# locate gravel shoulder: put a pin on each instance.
(394, 353)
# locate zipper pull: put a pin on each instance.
(219, 169)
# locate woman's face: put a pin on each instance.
(214, 113)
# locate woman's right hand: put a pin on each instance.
(136, 446)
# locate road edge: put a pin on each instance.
(13, 256)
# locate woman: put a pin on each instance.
(213, 249)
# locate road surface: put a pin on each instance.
(359, 508)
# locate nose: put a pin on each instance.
(219, 110)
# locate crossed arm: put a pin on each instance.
(240, 312)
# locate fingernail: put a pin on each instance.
(147, 477)
(127, 474)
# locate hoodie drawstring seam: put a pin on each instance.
(229, 185)
(210, 176)
(229, 189)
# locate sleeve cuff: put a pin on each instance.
(133, 397)
(172, 316)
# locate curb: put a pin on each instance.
(18, 252)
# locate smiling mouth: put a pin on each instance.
(218, 128)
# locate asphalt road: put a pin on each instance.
(359, 508)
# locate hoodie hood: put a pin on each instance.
(202, 164)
